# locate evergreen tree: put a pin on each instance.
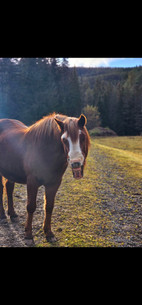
(65, 62)
(73, 106)
(119, 124)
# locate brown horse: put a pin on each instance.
(39, 155)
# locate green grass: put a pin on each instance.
(125, 150)
(132, 144)
(81, 217)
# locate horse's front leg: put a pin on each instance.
(32, 189)
(50, 192)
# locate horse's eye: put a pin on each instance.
(65, 141)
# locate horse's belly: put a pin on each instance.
(11, 167)
(13, 176)
(11, 163)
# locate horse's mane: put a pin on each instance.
(43, 129)
(47, 127)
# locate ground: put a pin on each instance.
(101, 210)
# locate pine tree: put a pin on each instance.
(5, 71)
(74, 98)
(119, 123)
(65, 62)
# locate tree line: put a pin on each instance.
(31, 88)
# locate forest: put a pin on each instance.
(117, 93)
(31, 88)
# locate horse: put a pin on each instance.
(39, 155)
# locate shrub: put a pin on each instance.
(102, 132)
(93, 116)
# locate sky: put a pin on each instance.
(105, 62)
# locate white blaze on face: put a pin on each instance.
(75, 153)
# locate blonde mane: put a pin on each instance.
(45, 127)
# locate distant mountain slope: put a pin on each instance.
(107, 74)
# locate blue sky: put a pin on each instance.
(105, 62)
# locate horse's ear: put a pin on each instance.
(82, 121)
(60, 124)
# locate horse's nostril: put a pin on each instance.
(75, 165)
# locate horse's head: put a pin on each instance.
(75, 139)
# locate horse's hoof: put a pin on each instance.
(29, 242)
(12, 214)
(14, 217)
(51, 238)
(28, 236)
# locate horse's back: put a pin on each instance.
(6, 124)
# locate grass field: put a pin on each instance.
(104, 208)
(126, 150)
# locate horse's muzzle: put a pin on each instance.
(77, 170)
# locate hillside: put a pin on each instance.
(117, 93)
(114, 74)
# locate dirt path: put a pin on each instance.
(116, 216)
(12, 233)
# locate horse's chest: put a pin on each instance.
(47, 169)
(52, 172)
